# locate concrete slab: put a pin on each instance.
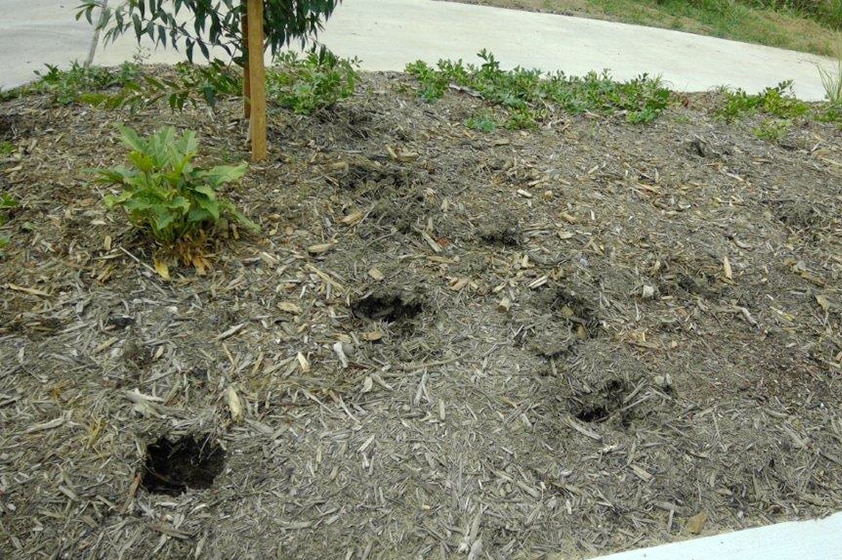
(803, 540)
(38, 32)
(387, 34)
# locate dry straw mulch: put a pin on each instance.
(443, 344)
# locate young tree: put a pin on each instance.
(219, 23)
(210, 23)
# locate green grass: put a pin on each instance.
(527, 97)
(802, 25)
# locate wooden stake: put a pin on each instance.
(246, 76)
(256, 79)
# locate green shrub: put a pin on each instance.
(193, 84)
(314, 82)
(164, 193)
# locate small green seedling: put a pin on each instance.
(773, 130)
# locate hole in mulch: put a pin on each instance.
(600, 404)
(388, 306)
(173, 467)
(592, 414)
(575, 310)
(119, 322)
(503, 231)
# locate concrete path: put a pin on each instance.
(387, 34)
(804, 540)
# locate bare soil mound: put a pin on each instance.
(578, 339)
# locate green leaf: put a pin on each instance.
(130, 138)
(205, 190)
(222, 174)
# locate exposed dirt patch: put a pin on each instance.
(171, 467)
(570, 339)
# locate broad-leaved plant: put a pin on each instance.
(163, 191)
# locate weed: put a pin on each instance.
(6, 148)
(773, 130)
(164, 193)
(483, 121)
(528, 96)
(314, 82)
(778, 101)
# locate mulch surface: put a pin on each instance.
(554, 343)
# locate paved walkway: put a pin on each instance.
(387, 34)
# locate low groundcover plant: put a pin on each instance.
(164, 194)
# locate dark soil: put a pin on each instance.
(443, 344)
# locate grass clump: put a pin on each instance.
(832, 83)
(528, 97)
(164, 193)
(6, 148)
(316, 81)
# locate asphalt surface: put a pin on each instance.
(388, 34)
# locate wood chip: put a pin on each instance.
(30, 291)
(49, 425)
(230, 332)
(458, 283)
(696, 524)
(582, 429)
(320, 248)
(288, 307)
(353, 218)
(235, 405)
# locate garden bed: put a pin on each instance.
(444, 343)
